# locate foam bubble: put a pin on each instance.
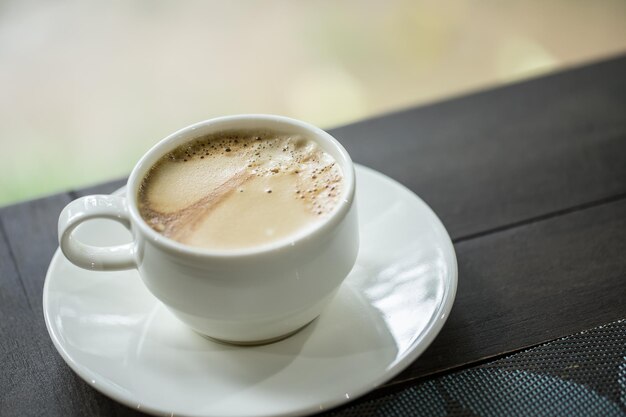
(227, 189)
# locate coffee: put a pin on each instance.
(239, 189)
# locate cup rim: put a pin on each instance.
(165, 145)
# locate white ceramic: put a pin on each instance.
(241, 296)
(116, 336)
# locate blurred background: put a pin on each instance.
(87, 87)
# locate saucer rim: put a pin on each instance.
(420, 343)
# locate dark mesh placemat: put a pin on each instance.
(579, 375)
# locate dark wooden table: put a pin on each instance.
(530, 181)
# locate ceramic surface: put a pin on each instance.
(244, 295)
(126, 344)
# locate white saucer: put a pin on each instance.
(116, 336)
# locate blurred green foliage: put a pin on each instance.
(87, 87)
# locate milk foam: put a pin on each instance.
(240, 189)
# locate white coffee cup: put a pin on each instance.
(241, 296)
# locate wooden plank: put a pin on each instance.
(34, 379)
(517, 288)
(505, 155)
(15, 325)
(31, 229)
(567, 361)
(29, 363)
(532, 284)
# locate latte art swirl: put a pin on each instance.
(239, 189)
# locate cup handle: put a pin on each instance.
(112, 258)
